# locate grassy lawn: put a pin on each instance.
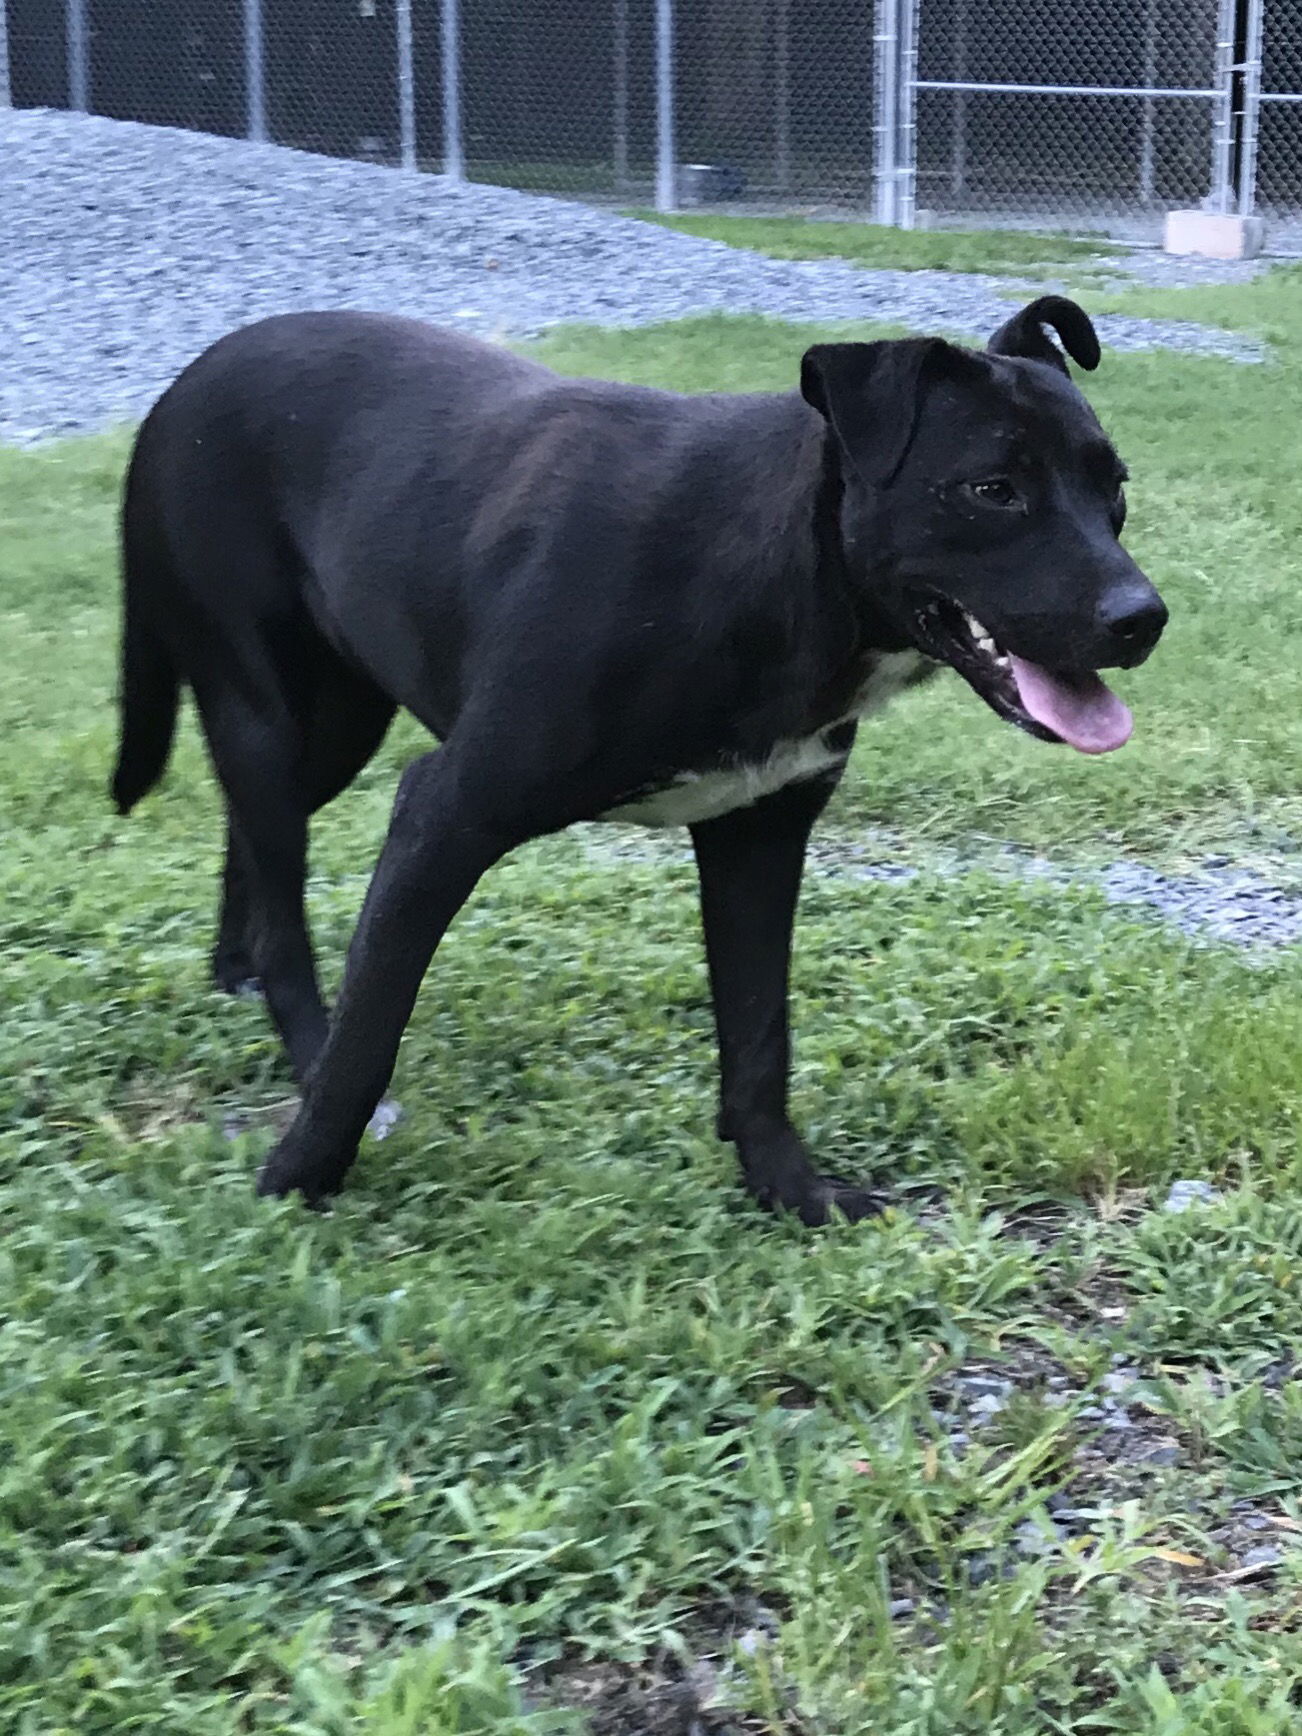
(997, 251)
(545, 1429)
(1267, 307)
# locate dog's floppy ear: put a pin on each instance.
(1024, 334)
(871, 395)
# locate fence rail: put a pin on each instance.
(1081, 113)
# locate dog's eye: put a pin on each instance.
(995, 491)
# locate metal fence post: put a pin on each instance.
(1251, 124)
(255, 90)
(906, 151)
(958, 114)
(886, 68)
(666, 152)
(406, 87)
(78, 57)
(6, 89)
(1220, 193)
(454, 159)
(782, 96)
(1148, 118)
(619, 74)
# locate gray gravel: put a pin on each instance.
(1237, 906)
(127, 249)
(1215, 904)
(1149, 266)
(1123, 1433)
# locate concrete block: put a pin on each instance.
(1212, 234)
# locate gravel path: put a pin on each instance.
(1218, 903)
(1148, 266)
(128, 248)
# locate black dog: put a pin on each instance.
(605, 601)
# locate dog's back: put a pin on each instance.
(367, 487)
(221, 521)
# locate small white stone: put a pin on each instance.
(387, 1116)
(1184, 1194)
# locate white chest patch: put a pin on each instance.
(696, 796)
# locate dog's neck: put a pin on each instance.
(872, 628)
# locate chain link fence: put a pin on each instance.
(779, 97)
(1271, 167)
(1078, 113)
(1101, 113)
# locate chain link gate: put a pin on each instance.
(1100, 113)
(1270, 166)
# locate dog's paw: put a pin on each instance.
(236, 976)
(387, 1115)
(831, 1198)
(283, 1174)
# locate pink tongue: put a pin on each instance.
(1079, 708)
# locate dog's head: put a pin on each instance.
(981, 514)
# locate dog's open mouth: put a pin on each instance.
(1054, 705)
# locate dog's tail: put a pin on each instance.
(150, 692)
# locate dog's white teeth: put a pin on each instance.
(984, 641)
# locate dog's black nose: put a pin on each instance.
(1133, 617)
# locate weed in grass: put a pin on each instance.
(1217, 1283)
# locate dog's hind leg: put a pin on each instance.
(345, 719)
(750, 864)
(232, 959)
(256, 744)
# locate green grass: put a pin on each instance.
(995, 251)
(1267, 307)
(544, 1393)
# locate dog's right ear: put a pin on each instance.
(871, 396)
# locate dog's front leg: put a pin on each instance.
(438, 845)
(750, 864)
